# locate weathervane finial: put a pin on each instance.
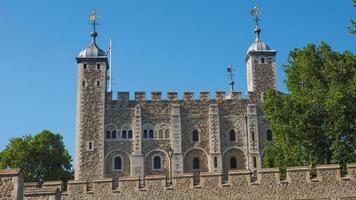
(92, 19)
(231, 74)
(255, 12)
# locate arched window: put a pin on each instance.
(124, 134)
(262, 60)
(145, 135)
(151, 135)
(117, 163)
(83, 83)
(233, 164)
(215, 162)
(232, 135)
(166, 133)
(196, 164)
(269, 135)
(254, 162)
(157, 163)
(130, 135)
(253, 136)
(195, 136)
(160, 133)
(98, 66)
(107, 134)
(113, 134)
(97, 83)
(85, 66)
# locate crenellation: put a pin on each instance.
(183, 182)
(172, 96)
(330, 173)
(123, 97)
(220, 96)
(298, 174)
(240, 177)
(210, 179)
(140, 96)
(188, 96)
(351, 171)
(129, 184)
(210, 186)
(103, 187)
(268, 176)
(155, 182)
(204, 96)
(156, 96)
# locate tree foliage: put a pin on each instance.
(42, 157)
(315, 122)
(352, 26)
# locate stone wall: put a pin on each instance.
(327, 185)
(212, 118)
(11, 184)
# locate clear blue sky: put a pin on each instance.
(162, 45)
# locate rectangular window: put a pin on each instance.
(90, 145)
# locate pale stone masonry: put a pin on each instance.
(298, 185)
(118, 137)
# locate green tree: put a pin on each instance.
(42, 157)
(352, 26)
(315, 122)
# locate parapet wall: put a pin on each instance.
(173, 96)
(241, 184)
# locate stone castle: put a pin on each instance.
(177, 148)
(140, 137)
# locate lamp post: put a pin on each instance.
(170, 154)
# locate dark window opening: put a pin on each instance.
(195, 136)
(90, 145)
(233, 163)
(108, 135)
(157, 162)
(232, 135)
(269, 135)
(98, 66)
(130, 134)
(85, 66)
(117, 163)
(151, 135)
(254, 162)
(215, 162)
(262, 60)
(113, 134)
(145, 135)
(83, 83)
(253, 136)
(196, 163)
(97, 83)
(124, 134)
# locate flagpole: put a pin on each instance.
(110, 65)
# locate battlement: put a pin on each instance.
(204, 96)
(240, 183)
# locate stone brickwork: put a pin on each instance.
(298, 185)
(11, 184)
(173, 122)
(206, 134)
(90, 118)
